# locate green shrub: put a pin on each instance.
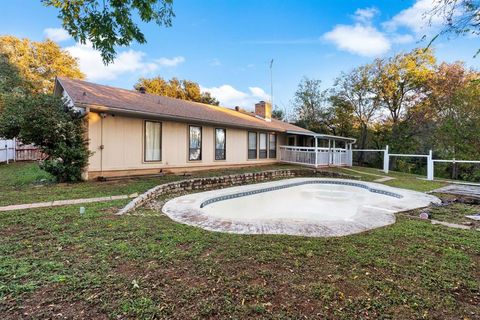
(53, 126)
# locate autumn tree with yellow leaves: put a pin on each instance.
(36, 63)
(175, 88)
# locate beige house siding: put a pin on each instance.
(123, 139)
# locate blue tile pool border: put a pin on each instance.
(295, 184)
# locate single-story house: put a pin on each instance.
(132, 133)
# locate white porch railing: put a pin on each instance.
(316, 156)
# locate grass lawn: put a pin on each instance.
(57, 263)
(26, 183)
(401, 180)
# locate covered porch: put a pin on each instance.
(317, 150)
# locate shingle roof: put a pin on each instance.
(91, 94)
(96, 95)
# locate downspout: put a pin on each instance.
(102, 116)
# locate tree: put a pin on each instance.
(453, 96)
(11, 83)
(10, 79)
(341, 116)
(54, 127)
(310, 104)
(278, 113)
(457, 135)
(398, 80)
(459, 17)
(38, 63)
(175, 88)
(355, 90)
(445, 83)
(108, 24)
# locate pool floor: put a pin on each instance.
(311, 207)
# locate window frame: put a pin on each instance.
(224, 144)
(261, 151)
(248, 145)
(270, 146)
(189, 143)
(145, 141)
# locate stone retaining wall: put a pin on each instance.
(224, 181)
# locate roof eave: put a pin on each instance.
(320, 135)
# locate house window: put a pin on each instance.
(220, 144)
(195, 143)
(153, 141)
(262, 146)
(252, 145)
(272, 146)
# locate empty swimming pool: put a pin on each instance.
(300, 206)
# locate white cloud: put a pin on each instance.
(359, 39)
(414, 18)
(170, 62)
(402, 38)
(231, 97)
(366, 15)
(363, 38)
(56, 34)
(90, 61)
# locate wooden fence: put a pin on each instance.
(14, 150)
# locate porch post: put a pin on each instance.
(349, 154)
(329, 152)
(333, 154)
(316, 151)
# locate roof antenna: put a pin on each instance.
(271, 83)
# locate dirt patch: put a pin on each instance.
(453, 209)
(49, 303)
(11, 230)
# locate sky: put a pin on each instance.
(227, 46)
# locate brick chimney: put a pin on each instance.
(264, 110)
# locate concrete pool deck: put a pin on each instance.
(316, 207)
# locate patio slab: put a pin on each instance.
(460, 189)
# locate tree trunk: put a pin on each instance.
(363, 142)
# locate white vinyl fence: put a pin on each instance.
(429, 156)
(7, 150)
